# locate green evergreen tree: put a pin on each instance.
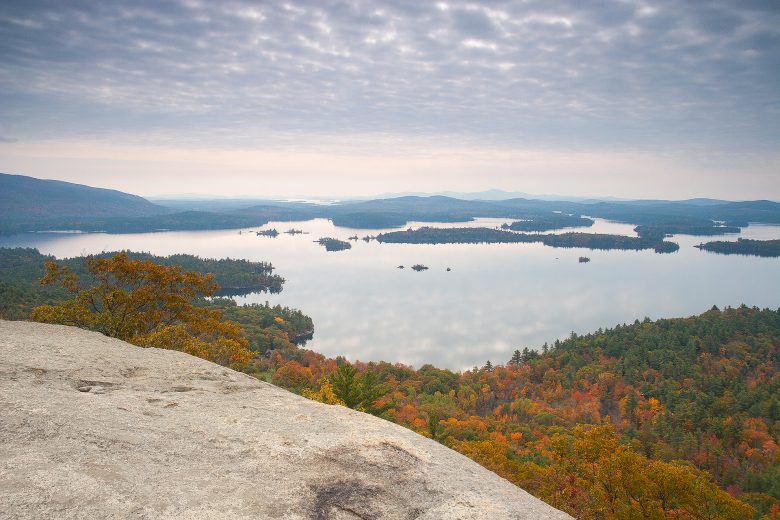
(346, 385)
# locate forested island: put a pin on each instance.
(334, 244)
(431, 235)
(663, 230)
(549, 222)
(743, 246)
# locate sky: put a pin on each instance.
(637, 99)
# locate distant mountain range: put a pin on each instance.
(189, 199)
(29, 204)
(493, 195)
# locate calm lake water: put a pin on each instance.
(496, 298)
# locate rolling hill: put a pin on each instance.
(34, 198)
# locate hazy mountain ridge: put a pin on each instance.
(29, 204)
(30, 197)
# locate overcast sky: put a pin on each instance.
(629, 98)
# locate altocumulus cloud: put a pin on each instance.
(585, 96)
(635, 73)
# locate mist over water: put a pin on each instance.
(496, 298)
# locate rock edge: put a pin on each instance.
(94, 427)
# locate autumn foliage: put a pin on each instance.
(146, 304)
(673, 419)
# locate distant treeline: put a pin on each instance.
(267, 327)
(549, 222)
(234, 276)
(663, 230)
(430, 235)
(527, 216)
(744, 246)
(185, 221)
(22, 268)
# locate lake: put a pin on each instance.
(496, 298)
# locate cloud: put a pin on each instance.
(662, 77)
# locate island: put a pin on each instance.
(743, 246)
(659, 231)
(431, 235)
(273, 233)
(419, 267)
(584, 259)
(334, 244)
(549, 222)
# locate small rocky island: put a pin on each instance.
(334, 244)
(419, 267)
(294, 231)
(273, 233)
(584, 259)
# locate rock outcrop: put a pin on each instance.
(92, 427)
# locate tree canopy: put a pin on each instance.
(146, 304)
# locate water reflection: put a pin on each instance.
(496, 298)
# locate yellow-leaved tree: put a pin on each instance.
(593, 476)
(146, 304)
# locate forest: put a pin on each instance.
(674, 418)
(22, 268)
(743, 246)
(549, 222)
(662, 230)
(602, 425)
(431, 235)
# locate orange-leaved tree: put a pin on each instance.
(592, 475)
(146, 304)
